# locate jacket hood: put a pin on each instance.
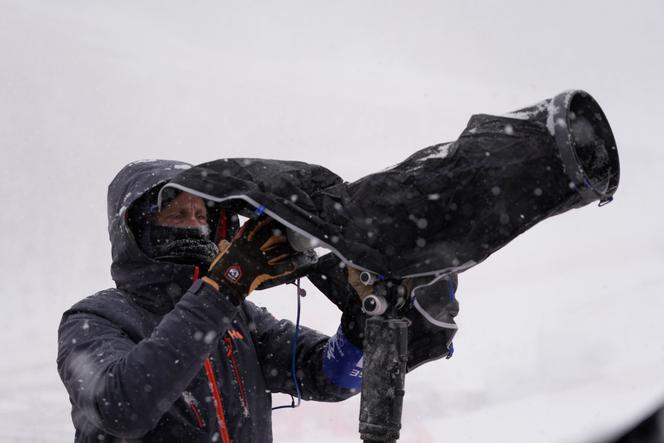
(156, 285)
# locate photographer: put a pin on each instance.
(176, 353)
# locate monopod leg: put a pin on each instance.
(383, 377)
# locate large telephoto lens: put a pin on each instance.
(448, 207)
(587, 146)
(443, 209)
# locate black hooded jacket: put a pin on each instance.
(164, 357)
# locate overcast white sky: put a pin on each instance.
(563, 321)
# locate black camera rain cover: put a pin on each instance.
(446, 207)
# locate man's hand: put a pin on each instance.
(431, 308)
(259, 252)
(341, 285)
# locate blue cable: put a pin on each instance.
(451, 294)
(293, 355)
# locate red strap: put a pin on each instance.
(222, 226)
(221, 418)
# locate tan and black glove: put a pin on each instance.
(259, 252)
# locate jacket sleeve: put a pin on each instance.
(124, 387)
(317, 378)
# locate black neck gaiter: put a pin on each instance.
(187, 246)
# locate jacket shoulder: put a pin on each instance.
(111, 305)
(102, 302)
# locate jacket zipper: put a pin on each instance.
(197, 414)
(230, 354)
(214, 387)
(193, 405)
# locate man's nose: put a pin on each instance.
(191, 221)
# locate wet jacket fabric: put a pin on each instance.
(164, 357)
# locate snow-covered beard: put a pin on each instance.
(187, 246)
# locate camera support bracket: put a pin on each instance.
(384, 370)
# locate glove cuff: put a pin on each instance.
(342, 362)
(352, 325)
(224, 289)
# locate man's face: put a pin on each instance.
(184, 211)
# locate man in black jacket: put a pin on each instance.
(168, 356)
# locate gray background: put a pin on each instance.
(560, 337)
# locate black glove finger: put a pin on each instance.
(284, 266)
(273, 241)
(303, 267)
(266, 227)
(247, 227)
(254, 226)
(279, 253)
